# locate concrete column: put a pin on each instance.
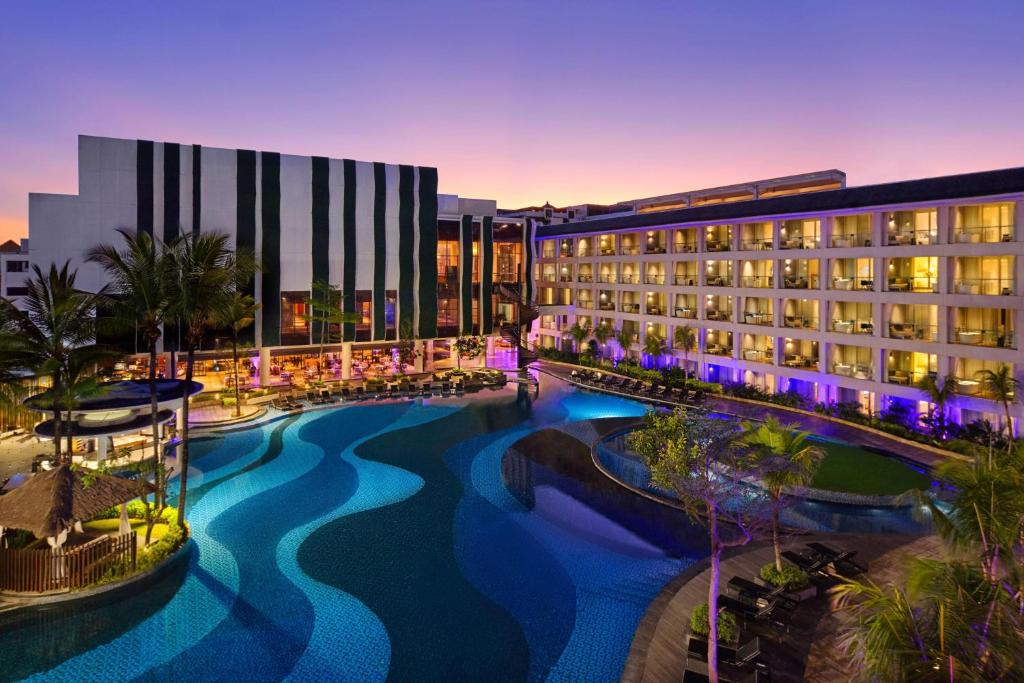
(428, 354)
(346, 361)
(877, 233)
(490, 347)
(825, 236)
(944, 224)
(264, 366)
(172, 365)
(102, 446)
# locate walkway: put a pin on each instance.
(812, 423)
(658, 652)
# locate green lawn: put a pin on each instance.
(108, 526)
(853, 470)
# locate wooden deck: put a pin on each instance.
(658, 651)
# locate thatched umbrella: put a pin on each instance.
(51, 502)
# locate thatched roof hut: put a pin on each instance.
(52, 501)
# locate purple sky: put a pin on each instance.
(522, 102)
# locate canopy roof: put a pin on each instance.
(51, 501)
(122, 394)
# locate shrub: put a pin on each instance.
(790, 577)
(228, 401)
(157, 552)
(727, 627)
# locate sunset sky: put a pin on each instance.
(522, 102)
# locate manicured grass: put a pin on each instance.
(854, 470)
(139, 525)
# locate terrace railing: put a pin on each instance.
(40, 570)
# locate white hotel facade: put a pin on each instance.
(800, 283)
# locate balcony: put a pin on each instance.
(975, 336)
(854, 370)
(757, 244)
(715, 314)
(918, 284)
(585, 278)
(607, 251)
(719, 280)
(630, 250)
(630, 279)
(906, 377)
(687, 312)
(759, 355)
(853, 326)
(800, 282)
(991, 286)
(983, 234)
(680, 247)
(909, 330)
(654, 279)
(606, 306)
(716, 349)
(630, 308)
(763, 318)
(548, 277)
(607, 278)
(757, 281)
(585, 303)
(799, 242)
(686, 280)
(798, 322)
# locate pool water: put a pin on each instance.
(377, 542)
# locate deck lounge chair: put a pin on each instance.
(313, 398)
(842, 561)
(741, 586)
(346, 394)
(745, 655)
(770, 614)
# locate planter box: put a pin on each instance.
(259, 400)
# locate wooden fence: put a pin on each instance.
(39, 570)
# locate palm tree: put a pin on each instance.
(57, 320)
(686, 339)
(787, 460)
(939, 395)
(1000, 385)
(236, 314)
(654, 346)
(139, 276)
(602, 333)
(204, 273)
(579, 334)
(327, 317)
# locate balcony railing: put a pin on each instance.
(584, 303)
(654, 279)
(606, 306)
(583, 253)
(714, 314)
(906, 377)
(985, 234)
(633, 279)
(855, 370)
(655, 309)
(757, 281)
(975, 336)
(565, 278)
(547, 277)
(853, 326)
(716, 245)
(917, 284)
(686, 280)
(984, 285)
(718, 350)
(719, 281)
(800, 282)
(757, 244)
(850, 284)
(808, 242)
(630, 308)
(607, 278)
(547, 253)
(758, 318)
(607, 251)
(584, 278)
(628, 250)
(654, 249)
(800, 322)
(907, 330)
(684, 247)
(797, 360)
(903, 238)
(759, 355)
(852, 240)
(685, 312)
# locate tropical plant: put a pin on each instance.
(939, 395)
(468, 348)
(700, 459)
(579, 334)
(787, 459)
(139, 276)
(54, 326)
(1001, 386)
(654, 346)
(204, 275)
(686, 340)
(237, 313)
(407, 351)
(602, 333)
(326, 315)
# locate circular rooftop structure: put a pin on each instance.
(122, 395)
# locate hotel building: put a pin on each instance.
(803, 284)
(411, 263)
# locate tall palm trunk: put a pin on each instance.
(716, 571)
(775, 535)
(69, 439)
(1009, 426)
(58, 419)
(183, 459)
(234, 359)
(158, 460)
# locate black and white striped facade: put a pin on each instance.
(362, 226)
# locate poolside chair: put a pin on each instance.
(841, 561)
(746, 654)
(313, 398)
(327, 397)
(744, 587)
(769, 614)
(816, 567)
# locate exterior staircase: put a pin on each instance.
(515, 332)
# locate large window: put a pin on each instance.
(448, 260)
(506, 261)
(294, 323)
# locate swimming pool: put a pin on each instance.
(398, 541)
(381, 541)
